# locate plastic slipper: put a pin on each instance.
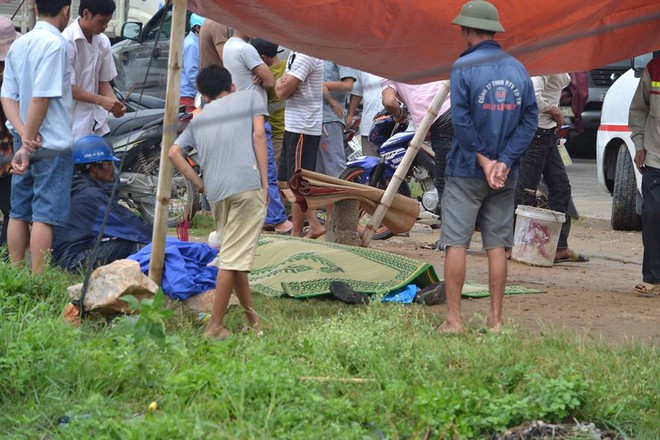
(648, 288)
(429, 246)
(287, 232)
(573, 258)
(311, 236)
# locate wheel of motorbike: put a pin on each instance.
(382, 232)
(184, 198)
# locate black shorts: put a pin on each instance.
(298, 151)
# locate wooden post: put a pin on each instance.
(342, 227)
(170, 124)
(407, 160)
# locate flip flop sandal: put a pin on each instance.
(573, 258)
(648, 289)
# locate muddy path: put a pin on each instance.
(595, 298)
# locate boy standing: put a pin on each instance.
(230, 138)
(36, 98)
(92, 69)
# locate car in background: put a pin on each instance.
(142, 57)
(615, 151)
(132, 10)
(582, 140)
(141, 61)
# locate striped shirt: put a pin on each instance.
(304, 108)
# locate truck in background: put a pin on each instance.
(615, 151)
(127, 10)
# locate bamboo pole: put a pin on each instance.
(170, 124)
(402, 169)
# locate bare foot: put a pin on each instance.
(453, 329)
(315, 233)
(252, 318)
(495, 327)
(253, 329)
(219, 333)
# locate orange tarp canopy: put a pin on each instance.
(413, 40)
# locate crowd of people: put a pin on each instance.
(56, 98)
(264, 118)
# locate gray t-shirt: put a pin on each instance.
(240, 57)
(222, 136)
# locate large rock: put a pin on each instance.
(109, 283)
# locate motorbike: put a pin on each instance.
(378, 171)
(136, 139)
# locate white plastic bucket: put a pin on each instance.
(536, 235)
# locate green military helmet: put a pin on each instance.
(479, 14)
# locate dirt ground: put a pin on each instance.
(595, 298)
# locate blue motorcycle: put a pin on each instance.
(378, 171)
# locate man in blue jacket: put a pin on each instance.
(90, 193)
(494, 116)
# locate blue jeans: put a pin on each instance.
(275, 213)
(542, 158)
(650, 222)
(43, 193)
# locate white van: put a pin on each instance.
(615, 151)
(133, 10)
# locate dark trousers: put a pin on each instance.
(5, 206)
(441, 133)
(651, 224)
(542, 158)
(110, 249)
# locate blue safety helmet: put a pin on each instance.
(92, 149)
(196, 20)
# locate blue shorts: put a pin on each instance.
(43, 193)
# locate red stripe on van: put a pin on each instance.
(613, 127)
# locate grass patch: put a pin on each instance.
(103, 377)
(202, 222)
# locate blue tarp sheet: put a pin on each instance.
(185, 270)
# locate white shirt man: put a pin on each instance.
(91, 65)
